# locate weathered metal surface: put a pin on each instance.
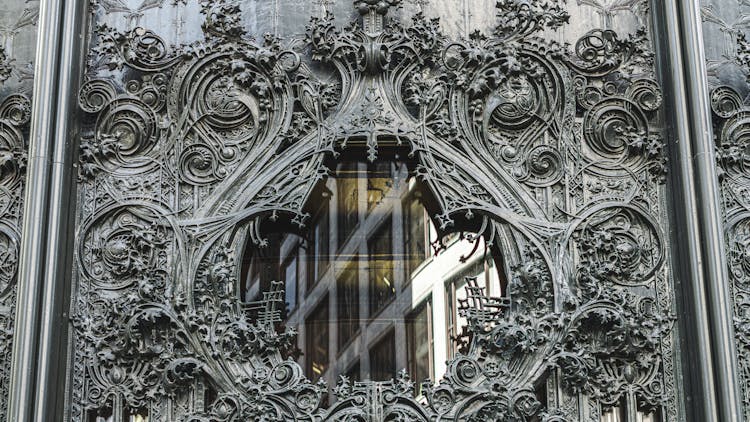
(17, 46)
(726, 27)
(188, 149)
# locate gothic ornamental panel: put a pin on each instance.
(728, 61)
(17, 48)
(400, 211)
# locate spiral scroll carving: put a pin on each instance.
(556, 153)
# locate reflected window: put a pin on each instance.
(347, 299)
(316, 334)
(620, 414)
(353, 372)
(318, 244)
(383, 358)
(416, 234)
(351, 292)
(380, 261)
(291, 275)
(347, 200)
(106, 415)
(261, 267)
(379, 183)
(419, 343)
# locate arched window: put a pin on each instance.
(371, 285)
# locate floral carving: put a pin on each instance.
(189, 150)
(731, 129)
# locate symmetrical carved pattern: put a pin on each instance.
(732, 130)
(188, 150)
(726, 28)
(17, 22)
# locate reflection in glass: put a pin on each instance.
(620, 413)
(106, 415)
(290, 273)
(318, 244)
(416, 233)
(347, 298)
(347, 200)
(316, 350)
(380, 266)
(419, 342)
(383, 358)
(380, 179)
(371, 286)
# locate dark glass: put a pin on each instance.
(353, 372)
(383, 358)
(419, 343)
(347, 179)
(350, 273)
(380, 254)
(380, 180)
(347, 298)
(260, 268)
(415, 232)
(317, 331)
(290, 273)
(318, 245)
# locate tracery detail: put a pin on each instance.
(731, 126)
(188, 150)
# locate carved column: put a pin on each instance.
(39, 348)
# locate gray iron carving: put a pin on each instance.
(15, 111)
(731, 117)
(189, 150)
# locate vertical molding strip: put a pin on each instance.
(697, 360)
(49, 167)
(54, 322)
(700, 205)
(709, 212)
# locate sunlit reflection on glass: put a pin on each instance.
(620, 413)
(370, 286)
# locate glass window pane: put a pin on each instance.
(359, 308)
(290, 282)
(382, 287)
(415, 231)
(419, 343)
(347, 179)
(317, 329)
(379, 183)
(383, 358)
(347, 291)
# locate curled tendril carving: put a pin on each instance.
(731, 122)
(187, 149)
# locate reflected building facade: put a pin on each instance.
(372, 287)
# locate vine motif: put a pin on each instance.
(732, 145)
(189, 148)
(5, 65)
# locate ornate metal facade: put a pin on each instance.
(728, 74)
(17, 34)
(551, 137)
(186, 150)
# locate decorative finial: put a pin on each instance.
(373, 13)
(379, 6)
